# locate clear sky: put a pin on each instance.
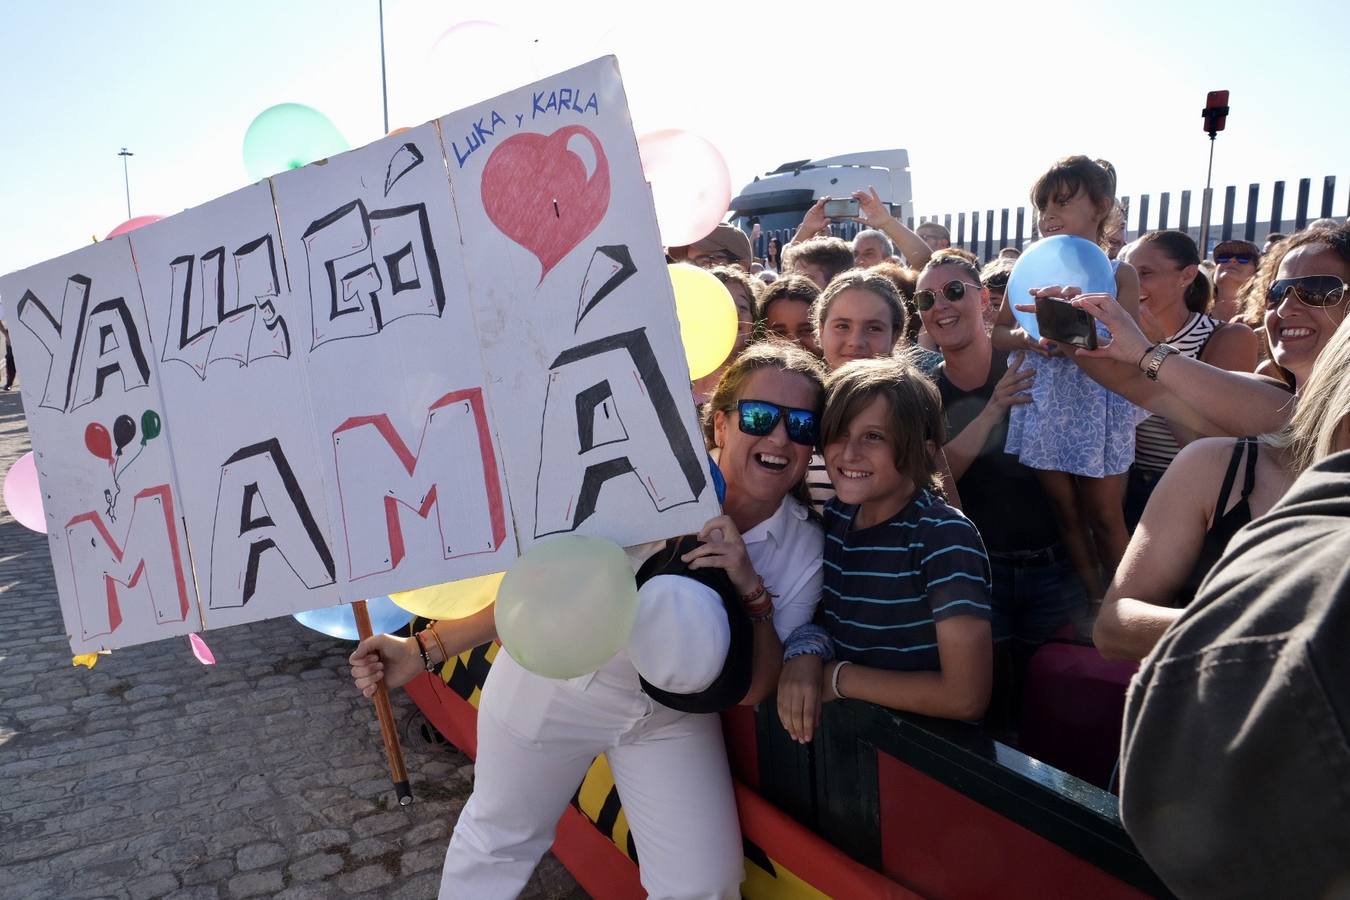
(984, 95)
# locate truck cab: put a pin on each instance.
(778, 200)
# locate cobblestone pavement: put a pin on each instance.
(151, 775)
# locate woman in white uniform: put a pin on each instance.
(538, 736)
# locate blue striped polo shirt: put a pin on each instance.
(887, 586)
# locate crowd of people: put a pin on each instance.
(920, 495)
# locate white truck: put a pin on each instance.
(777, 200)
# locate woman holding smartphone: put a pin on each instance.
(1217, 485)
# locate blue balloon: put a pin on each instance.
(340, 621)
(1064, 260)
(719, 480)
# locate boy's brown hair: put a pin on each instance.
(915, 412)
(832, 254)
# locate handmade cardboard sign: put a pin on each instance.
(393, 368)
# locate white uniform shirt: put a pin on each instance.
(787, 550)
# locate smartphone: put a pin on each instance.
(841, 209)
(1060, 320)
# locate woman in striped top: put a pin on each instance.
(904, 616)
(1173, 299)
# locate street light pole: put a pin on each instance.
(126, 178)
(384, 86)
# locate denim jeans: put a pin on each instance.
(1138, 489)
(1031, 602)
(1035, 594)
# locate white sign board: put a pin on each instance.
(397, 367)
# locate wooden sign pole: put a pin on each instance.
(393, 751)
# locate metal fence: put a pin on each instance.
(985, 232)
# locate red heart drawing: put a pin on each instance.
(536, 191)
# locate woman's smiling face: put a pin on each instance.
(1298, 332)
(765, 468)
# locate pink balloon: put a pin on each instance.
(691, 185)
(23, 496)
(470, 62)
(132, 225)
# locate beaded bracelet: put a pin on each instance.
(431, 629)
(427, 664)
(759, 591)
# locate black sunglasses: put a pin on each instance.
(759, 417)
(952, 290)
(1311, 290)
(1242, 258)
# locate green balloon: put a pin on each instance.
(288, 136)
(150, 426)
(567, 605)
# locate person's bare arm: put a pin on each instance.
(1011, 390)
(874, 214)
(398, 661)
(766, 665)
(1162, 552)
(959, 691)
(1008, 335)
(1231, 347)
(813, 223)
(1193, 394)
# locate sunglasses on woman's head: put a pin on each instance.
(760, 417)
(1310, 290)
(952, 290)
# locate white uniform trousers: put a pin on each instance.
(536, 739)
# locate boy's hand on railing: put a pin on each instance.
(799, 695)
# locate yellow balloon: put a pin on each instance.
(452, 600)
(707, 318)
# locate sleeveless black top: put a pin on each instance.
(1226, 524)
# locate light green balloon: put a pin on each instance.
(288, 136)
(567, 605)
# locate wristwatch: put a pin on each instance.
(1160, 353)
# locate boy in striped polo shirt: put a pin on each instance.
(904, 617)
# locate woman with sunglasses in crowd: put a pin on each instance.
(1217, 485)
(1235, 265)
(1173, 299)
(537, 736)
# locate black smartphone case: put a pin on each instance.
(1059, 320)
